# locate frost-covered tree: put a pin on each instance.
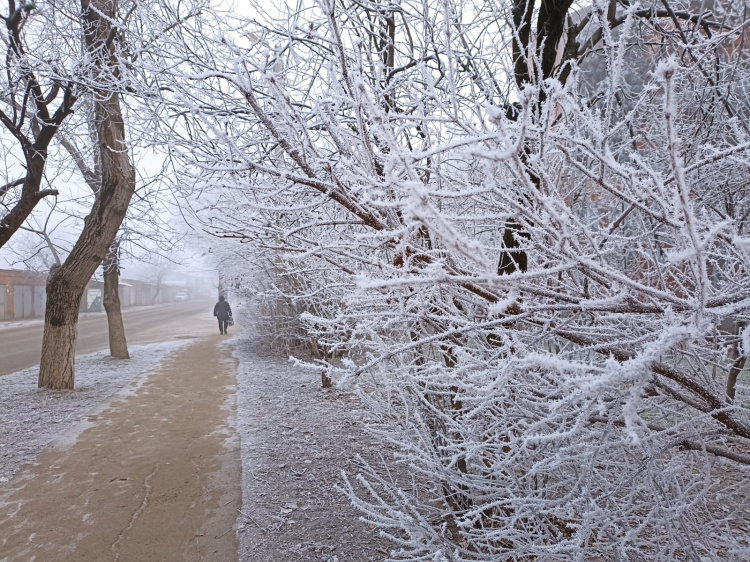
(38, 92)
(57, 54)
(107, 71)
(527, 226)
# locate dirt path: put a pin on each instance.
(156, 477)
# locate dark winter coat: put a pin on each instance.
(222, 310)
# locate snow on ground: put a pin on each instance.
(296, 439)
(31, 418)
(13, 324)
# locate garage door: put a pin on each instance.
(22, 299)
(3, 288)
(40, 301)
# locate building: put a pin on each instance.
(22, 294)
(133, 292)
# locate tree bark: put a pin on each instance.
(734, 371)
(67, 283)
(118, 345)
(57, 369)
(738, 361)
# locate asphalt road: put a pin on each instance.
(21, 342)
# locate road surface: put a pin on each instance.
(21, 342)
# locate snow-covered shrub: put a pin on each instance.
(542, 267)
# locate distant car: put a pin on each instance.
(181, 297)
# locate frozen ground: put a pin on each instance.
(296, 439)
(30, 419)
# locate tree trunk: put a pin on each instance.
(118, 345)
(57, 369)
(734, 372)
(67, 283)
(326, 381)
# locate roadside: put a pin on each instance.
(20, 345)
(155, 476)
(297, 438)
(28, 322)
(181, 454)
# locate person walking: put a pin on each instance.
(223, 312)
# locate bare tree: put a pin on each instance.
(36, 98)
(118, 346)
(159, 270)
(37, 250)
(67, 283)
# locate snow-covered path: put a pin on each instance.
(154, 476)
(31, 418)
(196, 449)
